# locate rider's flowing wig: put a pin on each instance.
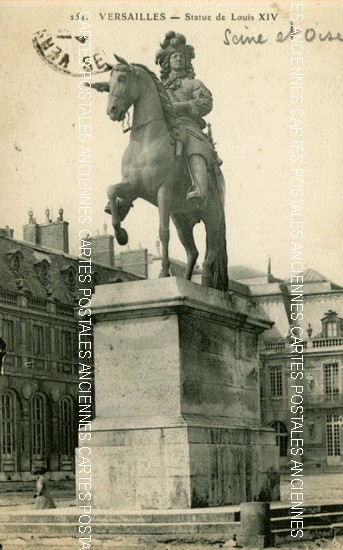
(175, 42)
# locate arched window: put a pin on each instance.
(38, 424)
(8, 426)
(67, 443)
(10, 445)
(281, 436)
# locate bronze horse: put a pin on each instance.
(153, 170)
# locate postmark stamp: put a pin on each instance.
(69, 53)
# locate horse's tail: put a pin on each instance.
(220, 267)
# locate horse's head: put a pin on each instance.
(123, 89)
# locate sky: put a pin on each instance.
(250, 120)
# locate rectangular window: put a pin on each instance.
(57, 342)
(333, 438)
(331, 329)
(38, 340)
(66, 346)
(276, 388)
(331, 381)
(28, 330)
(47, 341)
(75, 347)
(8, 334)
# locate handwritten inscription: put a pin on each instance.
(309, 34)
(243, 39)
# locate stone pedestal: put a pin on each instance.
(177, 398)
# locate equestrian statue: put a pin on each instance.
(170, 161)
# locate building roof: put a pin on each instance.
(45, 273)
(318, 295)
(311, 276)
(239, 272)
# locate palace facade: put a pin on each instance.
(39, 346)
(320, 423)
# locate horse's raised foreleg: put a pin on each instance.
(164, 206)
(185, 231)
(125, 192)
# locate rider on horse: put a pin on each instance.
(150, 167)
(191, 101)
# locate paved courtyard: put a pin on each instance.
(317, 488)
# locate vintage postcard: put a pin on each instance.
(99, 102)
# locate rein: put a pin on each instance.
(126, 122)
(128, 128)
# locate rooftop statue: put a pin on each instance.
(170, 161)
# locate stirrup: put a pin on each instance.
(194, 193)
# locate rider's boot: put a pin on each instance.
(198, 189)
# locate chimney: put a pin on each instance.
(52, 235)
(30, 231)
(135, 261)
(6, 232)
(103, 248)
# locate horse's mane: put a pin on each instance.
(166, 104)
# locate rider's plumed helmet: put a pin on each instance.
(174, 42)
